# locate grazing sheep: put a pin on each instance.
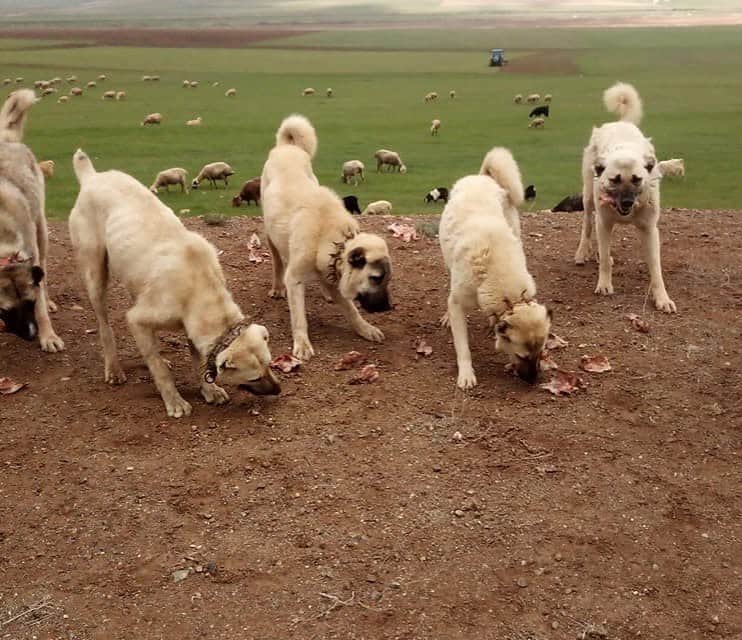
(672, 167)
(121, 95)
(529, 193)
(537, 123)
(63, 99)
(543, 110)
(196, 122)
(439, 194)
(352, 170)
(48, 91)
(102, 78)
(570, 203)
(230, 93)
(152, 118)
(378, 208)
(351, 204)
(391, 159)
(212, 172)
(533, 98)
(176, 175)
(76, 91)
(430, 97)
(186, 84)
(452, 94)
(250, 192)
(18, 80)
(7, 81)
(92, 84)
(434, 126)
(146, 78)
(329, 92)
(518, 99)
(547, 98)
(157, 79)
(72, 79)
(55, 81)
(108, 95)
(309, 91)
(214, 84)
(194, 84)
(47, 168)
(39, 84)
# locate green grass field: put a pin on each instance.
(689, 80)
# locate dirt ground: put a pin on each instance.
(403, 508)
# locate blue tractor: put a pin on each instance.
(497, 58)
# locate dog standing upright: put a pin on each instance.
(480, 239)
(175, 281)
(24, 301)
(621, 184)
(312, 236)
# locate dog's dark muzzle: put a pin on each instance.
(21, 321)
(265, 386)
(527, 369)
(625, 204)
(375, 301)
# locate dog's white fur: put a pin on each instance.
(672, 167)
(619, 165)
(307, 225)
(175, 280)
(23, 229)
(480, 239)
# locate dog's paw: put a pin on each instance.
(467, 380)
(445, 320)
(277, 294)
(604, 289)
(51, 305)
(664, 304)
(371, 333)
(176, 406)
(303, 349)
(115, 374)
(214, 394)
(51, 343)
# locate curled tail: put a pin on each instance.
(82, 165)
(623, 100)
(297, 130)
(500, 165)
(13, 115)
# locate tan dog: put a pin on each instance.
(24, 302)
(312, 236)
(176, 282)
(621, 184)
(480, 239)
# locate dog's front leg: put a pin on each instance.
(604, 230)
(278, 290)
(362, 327)
(295, 290)
(457, 320)
(585, 248)
(651, 246)
(146, 340)
(211, 392)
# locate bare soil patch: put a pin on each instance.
(401, 508)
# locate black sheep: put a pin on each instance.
(540, 111)
(351, 204)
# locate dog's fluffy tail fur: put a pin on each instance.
(297, 130)
(623, 100)
(82, 165)
(13, 115)
(500, 165)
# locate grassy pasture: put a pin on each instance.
(687, 77)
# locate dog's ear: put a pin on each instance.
(599, 169)
(37, 274)
(357, 258)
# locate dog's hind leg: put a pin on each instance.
(95, 274)
(212, 393)
(604, 231)
(278, 290)
(141, 325)
(49, 340)
(457, 319)
(651, 246)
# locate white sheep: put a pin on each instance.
(176, 175)
(102, 77)
(71, 79)
(452, 94)
(329, 92)
(186, 84)
(76, 91)
(518, 99)
(353, 170)
(48, 91)
(7, 81)
(212, 172)
(434, 126)
(92, 84)
(230, 93)
(55, 81)
(155, 78)
(214, 84)
(108, 95)
(391, 159)
(533, 98)
(309, 91)
(152, 118)
(194, 84)
(430, 97)
(672, 167)
(19, 80)
(63, 99)
(537, 123)
(196, 122)
(547, 98)
(378, 208)
(146, 78)
(121, 95)
(47, 168)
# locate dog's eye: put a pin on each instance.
(616, 179)
(356, 259)
(649, 167)
(636, 180)
(599, 168)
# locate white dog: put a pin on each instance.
(176, 282)
(480, 240)
(621, 185)
(312, 236)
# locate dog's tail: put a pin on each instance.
(13, 115)
(82, 165)
(500, 165)
(297, 130)
(623, 100)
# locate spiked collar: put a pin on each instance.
(222, 342)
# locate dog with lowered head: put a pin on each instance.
(174, 277)
(24, 302)
(621, 185)
(480, 239)
(312, 236)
